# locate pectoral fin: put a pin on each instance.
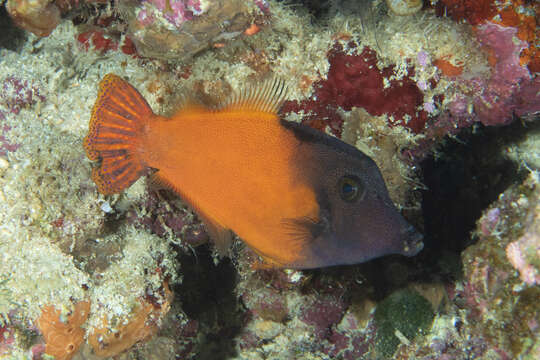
(305, 229)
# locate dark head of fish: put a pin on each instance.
(357, 219)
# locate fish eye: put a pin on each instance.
(350, 188)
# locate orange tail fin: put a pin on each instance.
(114, 137)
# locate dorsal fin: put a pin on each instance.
(265, 98)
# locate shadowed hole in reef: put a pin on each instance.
(208, 295)
(11, 37)
(467, 175)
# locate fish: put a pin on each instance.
(297, 197)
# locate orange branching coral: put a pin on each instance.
(63, 337)
(109, 340)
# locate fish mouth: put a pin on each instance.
(412, 241)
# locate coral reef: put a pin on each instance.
(41, 17)
(492, 100)
(332, 314)
(171, 30)
(19, 93)
(81, 269)
(523, 254)
(101, 42)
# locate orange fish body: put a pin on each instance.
(234, 166)
(237, 166)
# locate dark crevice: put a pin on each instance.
(11, 37)
(207, 295)
(468, 174)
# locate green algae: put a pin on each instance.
(406, 312)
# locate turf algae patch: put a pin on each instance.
(400, 318)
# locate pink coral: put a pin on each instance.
(5, 145)
(497, 102)
(175, 11)
(145, 17)
(517, 251)
(509, 91)
(489, 222)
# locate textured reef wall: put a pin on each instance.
(132, 276)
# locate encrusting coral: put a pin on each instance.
(110, 340)
(63, 337)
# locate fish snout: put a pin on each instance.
(411, 241)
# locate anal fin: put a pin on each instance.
(219, 234)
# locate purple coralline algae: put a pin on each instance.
(16, 95)
(282, 305)
(500, 289)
